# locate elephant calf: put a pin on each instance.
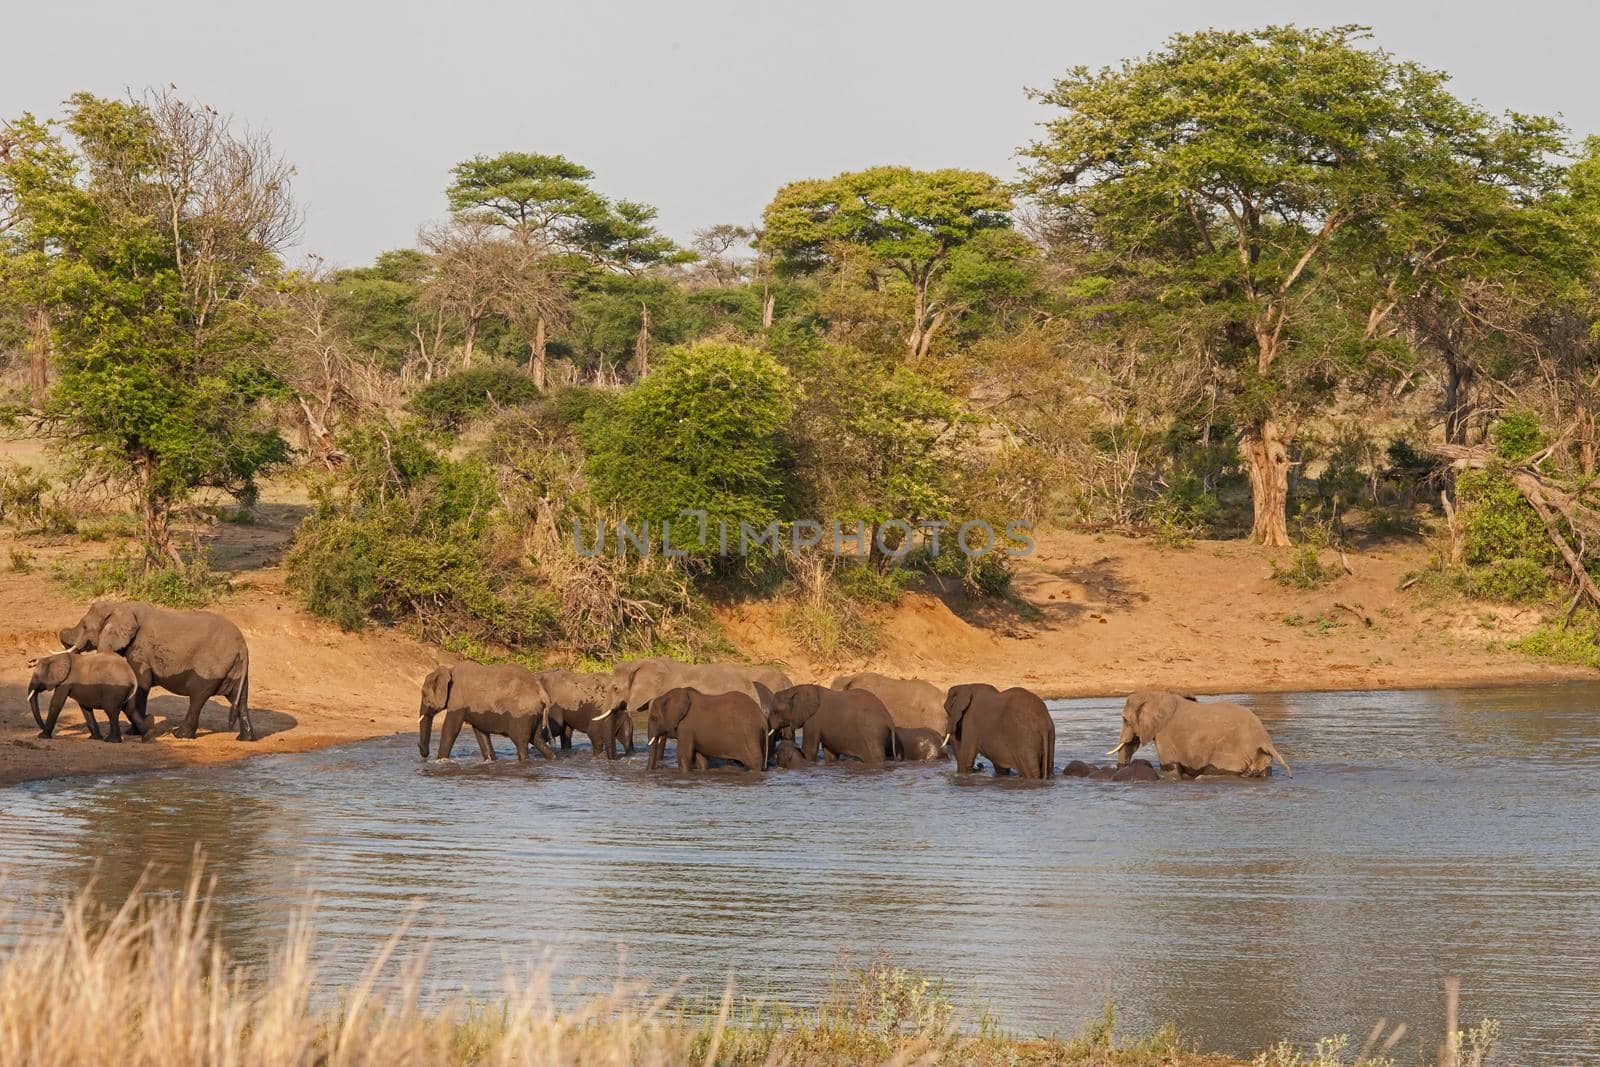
(728, 726)
(95, 680)
(849, 723)
(919, 744)
(787, 754)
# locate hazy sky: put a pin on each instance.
(701, 107)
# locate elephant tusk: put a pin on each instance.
(604, 714)
(946, 741)
(1115, 751)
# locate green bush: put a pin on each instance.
(1505, 550)
(705, 430)
(125, 574)
(988, 575)
(1577, 643)
(1518, 435)
(451, 402)
(1304, 570)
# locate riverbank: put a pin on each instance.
(1091, 614)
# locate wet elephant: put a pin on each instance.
(1011, 728)
(644, 680)
(913, 704)
(728, 726)
(850, 723)
(198, 654)
(499, 698)
(591, 704)
(920, 745)
(1199, 737)
(787, 754)
(96, 680)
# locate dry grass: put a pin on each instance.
(151, 986)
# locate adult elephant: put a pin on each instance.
(591, 704)
(912, 703)
(198, 654)
(1011, 728)
(498, 698)
(839, 724)
(645, 679)
(707, 726)
(1195, 737)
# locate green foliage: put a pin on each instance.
(988, 575)
(1517, 435)
(1578, 642)
(1506, 552)
(706, 430)
(126, 576)
(450, 402)
(1304, 570)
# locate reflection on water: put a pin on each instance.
(1423, 834)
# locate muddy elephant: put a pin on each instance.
(95, 680)
(913, 704)
(728, 726)
(591, 704)
(1140, 770)
(499, 698)
(198, 654)
(1011, 728)
(787, 754)
(645, 679)
(920, 745)
(850, 723)
(1197, 737)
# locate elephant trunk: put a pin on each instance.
(33, 706)
(658, 748)
(424, 730)
(1127, 745)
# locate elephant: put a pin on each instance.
(1077, 769)
(921, 745)
(499, 698)
(1102, 774)
(198, 654)
(787, 754)
(1011, 728)
(1194, 737)
(849, 723)
(707, 726)
(913, 704)
(645, 679)
(1140, 770)
(95, 680)
(592, 703)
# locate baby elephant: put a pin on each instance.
(787, 754)
(920, 744)
(95, 680)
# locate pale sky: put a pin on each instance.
(700, 107)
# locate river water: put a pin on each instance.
(1424, 834)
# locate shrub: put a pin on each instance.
(1517, 435)
(451, 402)
(1505, 550)
(1578, 643)
(22, 495)
(126, 574)
(988, 575)
(1304, 570)
(706, 430)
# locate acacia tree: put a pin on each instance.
(910, 223)
(1230, 166)
(159, 225)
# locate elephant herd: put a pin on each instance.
(754, 717)
(717, 712)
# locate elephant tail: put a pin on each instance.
(1275, 754)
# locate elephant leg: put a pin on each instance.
(90, 722)
(966, 756)
(485, 744)
(542, 745)
(141, 703)
(115, 733)
(138, 725)
(521, 744)
(566, 739)
(810, 741)
(686, 753)
(625, 731)
(191, 721)
(449, 732)
(58, 700)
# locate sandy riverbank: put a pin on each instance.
(1099, 614)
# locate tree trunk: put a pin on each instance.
(536, 352)
(38, 355)
(159, 547)
(641, 344)
(471, 339)
(919, 324)
(1267, 458)
(1457, 398)
(768, 303)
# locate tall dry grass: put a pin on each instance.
(150, 985)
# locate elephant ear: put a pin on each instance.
(676, 706)
(956, 703)
(118, 631)
(53, 670)
(436, 689)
